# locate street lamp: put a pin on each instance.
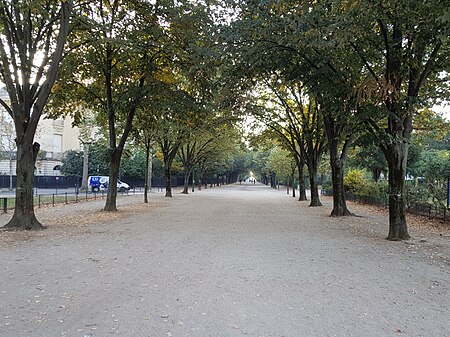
(84, 179)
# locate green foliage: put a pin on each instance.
(157, 167)
(133, 165)
(427, 194)
(434, 165)
(99, 158)
(417, 194)
(72, 163)
(355, 180)
(281, 162)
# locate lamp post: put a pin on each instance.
(84, 179)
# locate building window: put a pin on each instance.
(57, 143)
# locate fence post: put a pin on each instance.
(39, 201)
(66, 197)
(53, 199)
(5, 205)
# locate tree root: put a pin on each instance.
(23, 223)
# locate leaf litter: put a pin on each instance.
(73, 219)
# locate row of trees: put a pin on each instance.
(321, 74)
(211, 159)
(146, 71)
(318, 74)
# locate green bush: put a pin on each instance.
(354, 181)
(435, 194)
(375, 189)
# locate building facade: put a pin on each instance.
(55, 136)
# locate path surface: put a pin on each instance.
(239, 260)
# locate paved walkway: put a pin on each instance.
(239, 260)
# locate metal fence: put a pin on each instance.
(45, 181)
(52, 199)
(74, 182)
(428, 210)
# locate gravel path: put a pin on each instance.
(240, 260)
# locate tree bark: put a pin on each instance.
(84, 181)
(315, 198)
(301, 181)
(111, 196)
(293, 185)
(397, 154)
(24, 217)
(337, 175)
(187, 174)
(168, 174)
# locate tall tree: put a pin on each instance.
(296, 117)
(118, 43)
(294, 39)
(32, 39)
(404, 47)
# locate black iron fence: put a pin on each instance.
(51, 199)
(429, 210)
(44, 181)
(74, 182)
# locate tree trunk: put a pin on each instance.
(111, 196)
(187, 174)
(293, 185)
(84, 180)
(147, 172)
(24, 217)
(149, 169)
(168, 174)
(315, 198)
(337, 177)
(397, 155)
(301, 182)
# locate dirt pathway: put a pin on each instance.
(239, 260)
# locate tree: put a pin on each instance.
(99, 158)
(186, 86)
(143, 133)
(404, 47)
(282, 163)
(173, 129)
(72, 163)
(32, 39)
(296, 118)
(295, 40)
(117, 43)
